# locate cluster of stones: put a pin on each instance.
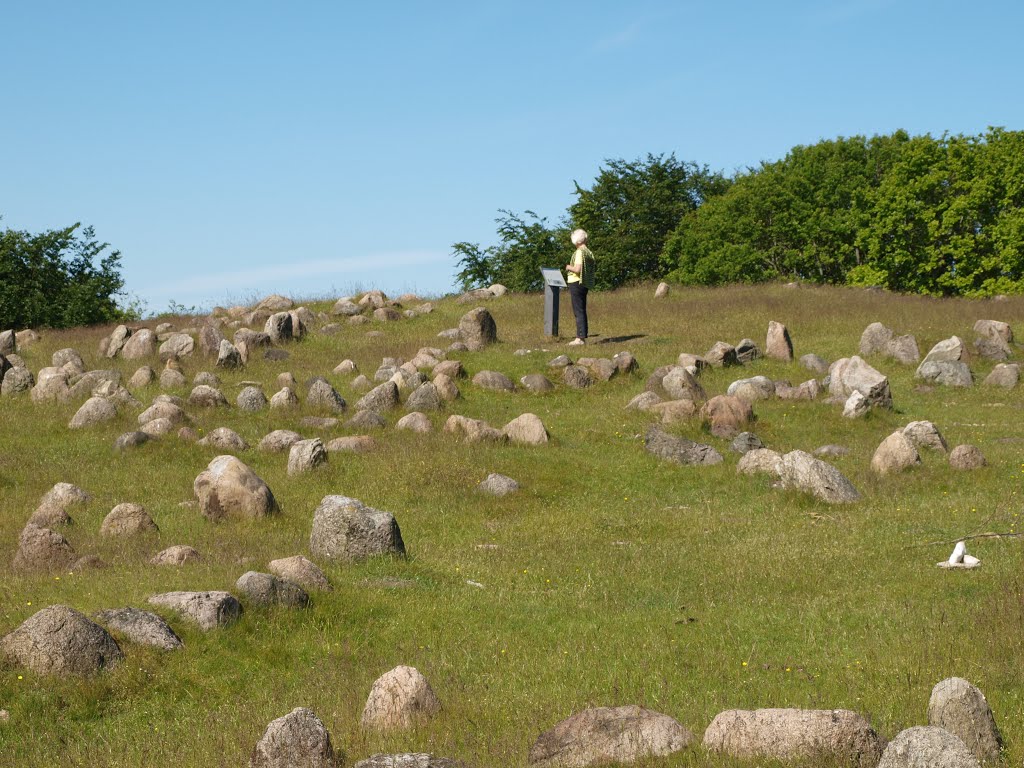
(675, 395)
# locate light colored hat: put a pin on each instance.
(578, 237)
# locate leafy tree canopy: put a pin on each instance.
(52, 279)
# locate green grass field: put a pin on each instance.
(610, 578)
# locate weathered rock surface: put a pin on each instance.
(680, 384)
(127, 519)
(895, 454)
(966, 456)
(306, 455)
(229, 487)
(352, 444)
(141, 344)
(323, 396)
(425, 398)
(494, 381)
(279, 327)
(678, 449)
(399, 699)
(803, 472)
(924, 434)
(279, 440)
(722, 355)
(61, 641)
(179, 554)
(753, 389)
(207, 610)
(178, 345)
(608, 735)
(409, 760)
(577, 377)
(477, 329)
(838, 736)
(141, 628)
(415, 422)
(251, 400)
(948, 373)
(16, 381)
(224, 439)
(1004, 375)
(498, 485)
(205, 396)
(473, 430)
(961, 709)
(65, 495)
(526, 429)
(265, 589)
(346, 529)
(726, 415)
(873, 339)
(926, 746)
(299, 570)
(297, 740)
(383, 397)
(760, 461)
(852, 374)
(41, 549)
(778, 344)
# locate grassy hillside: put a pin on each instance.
(610, 578)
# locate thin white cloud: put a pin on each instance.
(242, 280)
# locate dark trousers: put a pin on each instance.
(578, 294)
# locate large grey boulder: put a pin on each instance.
(279, 327)
(224, 439)
(127, 519)
(275, 302)
(298, 570)
(835, 736)
(803, 472)
(229, 487)
(726, 415)
(141, 628)
(51, 385)
(68, 357)
(95, 410)
(279, 440)
(61, 641)
(948, 373)
(383, 397)
(498, 485)
(473, 430)
(205, 396)
(747, 351)
(679, 449)
(251, 400)
(8, 342)
(961, 709)
(265, 589)
(903, 349)
(297, 740)
(680, 384)
(537, 383)
(722, 355)
(41, 549)
(852, 374)
(873, 339)
(177, 555)
(114, 343)
(477, 329)
(966, 456)
(346, 529)
(322, 396)
(994, 329)
(162, 409)
(895, 454)
(925, 746)
(178, 345)
(494, 381)
(229, 356)
(399, 699)
(424, 398)
(948, 350)
(306, 455)
(211, 340)
(608, 735)
(16, 381)
(1005, 375)
(65, 495)
(924, 434)
(207, 610)
(778, 344)
(141, 344)
(760, 461)
(753, 389)
(526, 429)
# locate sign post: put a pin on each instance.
(553, 282)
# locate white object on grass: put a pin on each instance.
(958, 553)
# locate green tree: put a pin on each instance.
(527, 244)
(631, 209)
(52, 279)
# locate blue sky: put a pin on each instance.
(232, 149)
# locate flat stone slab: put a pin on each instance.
(208, 610)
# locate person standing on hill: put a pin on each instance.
(580, 281)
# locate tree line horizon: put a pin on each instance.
(911, 214)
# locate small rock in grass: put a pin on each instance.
(498, 485)
(399, 699)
